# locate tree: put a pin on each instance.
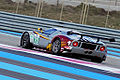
(25, 1)
(58, 2)
(116, 2)
(9, 1)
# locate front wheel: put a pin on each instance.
(56, 46)
(25, 41)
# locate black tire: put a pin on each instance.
(25, 41)
(56, 46)
(96, 59)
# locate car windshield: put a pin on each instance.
(50, 31)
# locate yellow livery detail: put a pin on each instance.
(41, 36)
(49, 47)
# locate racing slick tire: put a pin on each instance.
(25, 41)
(56, 46)
(97, 59)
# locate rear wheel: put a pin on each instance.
(96, 59)
(25, 41)
(56, 46)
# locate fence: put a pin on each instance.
(20, 23)
(104, 13)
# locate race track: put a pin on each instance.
(17, 63)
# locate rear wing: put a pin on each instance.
(98, 38)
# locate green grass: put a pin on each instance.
(96, 16)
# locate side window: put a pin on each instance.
(50, 31)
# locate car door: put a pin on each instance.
(34, 38)
(43, 40)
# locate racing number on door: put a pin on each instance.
(36, 39)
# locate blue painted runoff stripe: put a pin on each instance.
(110, 52)
(57, 66)
(32, 72)
(2, 77)
(114, 49)
(114, 56)
(11, 32)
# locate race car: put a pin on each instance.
(61, 40)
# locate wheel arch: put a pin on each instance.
(22, 36)
(24, 33)
(63, 39)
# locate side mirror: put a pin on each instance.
(40, 29)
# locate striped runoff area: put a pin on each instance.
(14, 54)
(2, 77)
(32, 72)
(14, 65)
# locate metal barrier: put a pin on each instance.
(20, 23)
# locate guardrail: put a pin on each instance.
(20, 23)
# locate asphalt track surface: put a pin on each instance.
(12, 67)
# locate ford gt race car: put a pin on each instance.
(59, 41)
